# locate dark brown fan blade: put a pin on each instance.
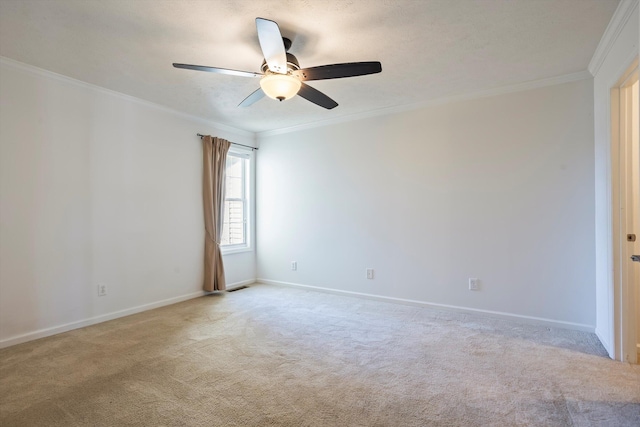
(317, 97)
(272, 45)
(218, 70)
(255, 96)
(338, 71)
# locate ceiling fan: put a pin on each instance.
(281, 76)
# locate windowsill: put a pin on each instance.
(236, 250)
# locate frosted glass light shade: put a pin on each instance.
(280, 86)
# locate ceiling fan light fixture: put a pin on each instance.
(280, 86)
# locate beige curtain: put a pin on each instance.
(213, 184)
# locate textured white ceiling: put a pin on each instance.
(429, 49)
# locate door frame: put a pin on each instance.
(624, 288)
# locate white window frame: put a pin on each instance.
(248, 196)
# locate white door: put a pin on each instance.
(634, 222)
(629, 215)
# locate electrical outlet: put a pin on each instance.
(294, 265)
(102, 290)
(369, 273)
(474, 284)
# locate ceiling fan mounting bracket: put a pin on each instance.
(287, 44)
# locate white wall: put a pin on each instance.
(619, 56)
(499, 188)
(96, 188)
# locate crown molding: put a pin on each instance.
(624, 11)
(255, 136)
(55, 76)
(502, 90)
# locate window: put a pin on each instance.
(235, 230)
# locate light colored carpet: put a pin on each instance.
(272, 356)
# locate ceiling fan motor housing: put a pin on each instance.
(292, 64)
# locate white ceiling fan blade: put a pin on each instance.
(272, 45)
(251, 99)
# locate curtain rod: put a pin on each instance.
(234, 143)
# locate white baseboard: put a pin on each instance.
(605, 343)
(46, 332)
(511, 316)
